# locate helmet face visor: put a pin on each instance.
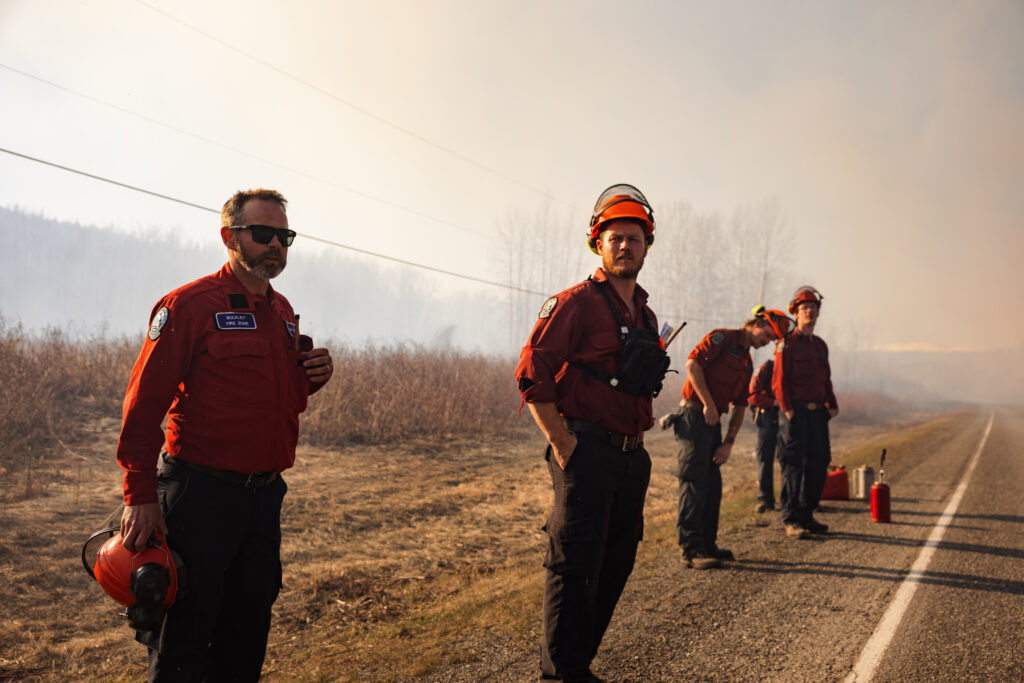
(617, 194)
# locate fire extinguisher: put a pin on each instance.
(880, 495)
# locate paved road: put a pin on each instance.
(803, 610)
(966, 619)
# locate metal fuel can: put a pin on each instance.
(863, 479)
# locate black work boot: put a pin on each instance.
(699, 558)
(721, 553)
(814, 526)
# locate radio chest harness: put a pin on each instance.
(643, 362)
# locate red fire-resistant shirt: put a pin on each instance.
(578, 325)
(724, 356)
(223, 359)
(802, 372)
(760, 393)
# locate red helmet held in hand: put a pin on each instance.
(146, 582)
(621, 201)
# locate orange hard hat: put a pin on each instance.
(804, 294)
(779, 321)
(146, 582)
(621, 201)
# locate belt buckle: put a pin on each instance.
(812, 406)
(249, 482)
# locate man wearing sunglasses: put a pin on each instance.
(718, 372)
(224, 361)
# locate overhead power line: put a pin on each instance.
(347, 103)
(374, 254)
(244, 153)
(108, 180)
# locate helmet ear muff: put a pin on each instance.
(145, 617)
(150, 585)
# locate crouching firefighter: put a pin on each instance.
(588, 373)
(718, 371)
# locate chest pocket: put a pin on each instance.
(734, 359)
(606, 341)
(236, 345)
(806, 363)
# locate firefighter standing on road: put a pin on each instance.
(802, 384)
(766, 418)
(718, 370)
(588, 373)
(223, 360)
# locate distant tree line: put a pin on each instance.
(703, 268)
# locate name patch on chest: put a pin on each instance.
(235, 321)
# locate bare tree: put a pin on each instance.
(701, 269)
(764, 241)
(542, 254)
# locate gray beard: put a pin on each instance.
(263, 271)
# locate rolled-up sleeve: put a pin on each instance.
(545, 354)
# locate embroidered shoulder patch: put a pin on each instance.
(548, 306)
(717, 337)
(158, 322)
(235, 321)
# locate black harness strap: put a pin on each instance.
(624, 332)
(623, 327)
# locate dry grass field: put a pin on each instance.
(408, 547)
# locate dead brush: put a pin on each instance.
(54, 382)
(402, 391)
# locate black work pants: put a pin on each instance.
(767, 439)
(593, 530)
(229, 538)
(700, 481)
(804, 454)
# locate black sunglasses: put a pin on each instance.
(262, 234)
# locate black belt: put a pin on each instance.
(624, 442)
(255, 480)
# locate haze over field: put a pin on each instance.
(889, 136)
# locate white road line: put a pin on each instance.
(864, 669)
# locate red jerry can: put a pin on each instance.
(837, 484)
(880, 502)
(880, 496)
